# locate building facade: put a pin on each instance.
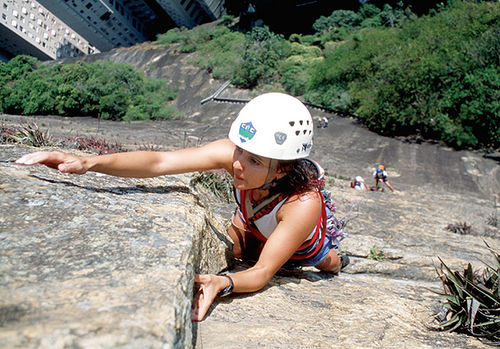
(53, 29)
(27, 27)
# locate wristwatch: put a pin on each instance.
(227, 290)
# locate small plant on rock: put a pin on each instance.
(376, 254)
(6, 133)
(460, 228)
(218, 182)
(92, 144)
(493, 220)
(472, 301)
(29, 134)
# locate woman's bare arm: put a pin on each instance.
(141, 164)
(296, 221)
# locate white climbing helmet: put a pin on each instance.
(274, 125)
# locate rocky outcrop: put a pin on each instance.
(98, 262)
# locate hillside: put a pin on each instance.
(374, 303)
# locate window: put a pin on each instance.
(105, 16)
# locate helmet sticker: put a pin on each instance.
(247, 131)
(280, 137)
(305, 147)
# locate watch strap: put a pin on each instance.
(227, 290)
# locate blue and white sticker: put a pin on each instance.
(247, 131)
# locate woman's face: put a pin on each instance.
(250, 170)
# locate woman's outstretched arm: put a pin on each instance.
(140, 164)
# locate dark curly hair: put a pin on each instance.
(302, 176)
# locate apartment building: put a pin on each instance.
(52, 29)
(26, 27)
(189, 13)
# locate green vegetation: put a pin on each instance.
(436, 76)
(220, 48)
(219, 183)
(472, 301)
(109, 90)
(376, 254)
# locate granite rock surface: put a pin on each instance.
(96, 261)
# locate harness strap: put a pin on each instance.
(268, 205)
(263, 208)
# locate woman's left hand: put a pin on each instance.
(203, 299)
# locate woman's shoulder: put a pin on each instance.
(305, 203)
(220, 152)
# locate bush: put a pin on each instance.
(263, 53)
(109, 90)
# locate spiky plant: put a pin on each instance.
(218, 182)
(460, 228)
(493, 220)
(472, 301)
(28, 134)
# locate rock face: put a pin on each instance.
(96, 261)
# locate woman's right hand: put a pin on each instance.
(63, 162)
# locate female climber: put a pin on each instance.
(281, 216)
